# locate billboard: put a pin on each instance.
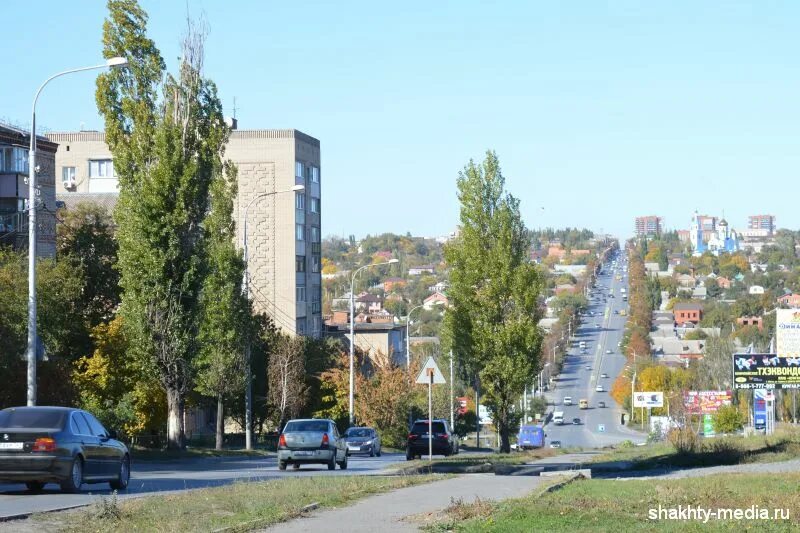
(705, 401)
(648, 399)
(787, 332)
(765, 371)
(760, 409)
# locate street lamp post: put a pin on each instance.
(32, 334)
(248, 392)
(408, 335)
(352, 327)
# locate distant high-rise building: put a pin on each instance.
(649, 225)
(765, 223)
(284, 227)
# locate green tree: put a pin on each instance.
(226, 312)
(492, 324)
(728, 419)
(167, 151)
(85, 239)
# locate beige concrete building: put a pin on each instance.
(14, 171)
(283, 227)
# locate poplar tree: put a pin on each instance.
(226, 313)
(492, 323)
(166, 134)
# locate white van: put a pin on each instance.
(558, 417)
(567, 400)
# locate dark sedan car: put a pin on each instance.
(40, 445)
(363, 440)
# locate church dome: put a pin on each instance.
(723, 222)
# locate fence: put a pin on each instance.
(267, 441)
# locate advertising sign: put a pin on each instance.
(760, 408)
(765, 371)
(705, 401)
(787, 332)
(648, 399)
(708, 426)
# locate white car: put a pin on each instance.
(599, 388)
(609, 352)
(604, 375)
(567, 400)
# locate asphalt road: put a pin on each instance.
(602, 330)
(153, 477)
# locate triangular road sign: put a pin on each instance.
(425, 373)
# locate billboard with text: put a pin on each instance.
(706, 401)
(765, 371)
(648, 399)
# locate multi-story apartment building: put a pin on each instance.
(14, 172)
(764, 225)
(648, 225)
(283, 226)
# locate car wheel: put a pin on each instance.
(409, 455)
(75, 480)
(332, 462)
(296, 466)
(372, 451)
(121, 483)
(379, 452)
(34, 486)
(281, 465)
(343, 464)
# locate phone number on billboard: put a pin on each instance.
(741, 386)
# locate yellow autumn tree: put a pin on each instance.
(115, 387)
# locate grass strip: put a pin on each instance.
(615, 506)
(781, 446)
(237, 507)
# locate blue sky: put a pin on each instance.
(599, 111)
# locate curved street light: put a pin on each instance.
(32, 334)
(248, 393)
(352, 326)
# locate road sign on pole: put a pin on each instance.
(431, 375)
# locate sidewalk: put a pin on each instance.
(385, 512)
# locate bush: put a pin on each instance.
(685, 440)
(728, 419)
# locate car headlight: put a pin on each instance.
(366, 442)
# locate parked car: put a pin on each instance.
(444, 441)
(40, 445)
(311, 441)
(555, 444)
(363, 440)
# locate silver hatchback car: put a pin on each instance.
(311, 441)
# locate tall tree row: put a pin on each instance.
(492, 325)
(167, 135)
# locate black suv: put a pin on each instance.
(443, 439)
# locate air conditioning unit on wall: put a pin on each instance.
(69, 182)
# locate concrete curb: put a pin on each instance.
(557, 486)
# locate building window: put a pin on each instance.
(300, 294)
(314, 175)
(314, 234)
(68, 177)
(301, 326)
(300, 263)
(317, 321)
(315, 263)
(299, 200)
(101, 168)
(315, 205)
(299, 232)
(316, 296)
(13, 159)
(298, 169)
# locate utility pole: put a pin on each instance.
(452, 413)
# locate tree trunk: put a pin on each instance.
(502, 428)
(175, 407)
(220, 423)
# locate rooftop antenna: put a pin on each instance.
(234, 107)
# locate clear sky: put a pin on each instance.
(599, 111)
